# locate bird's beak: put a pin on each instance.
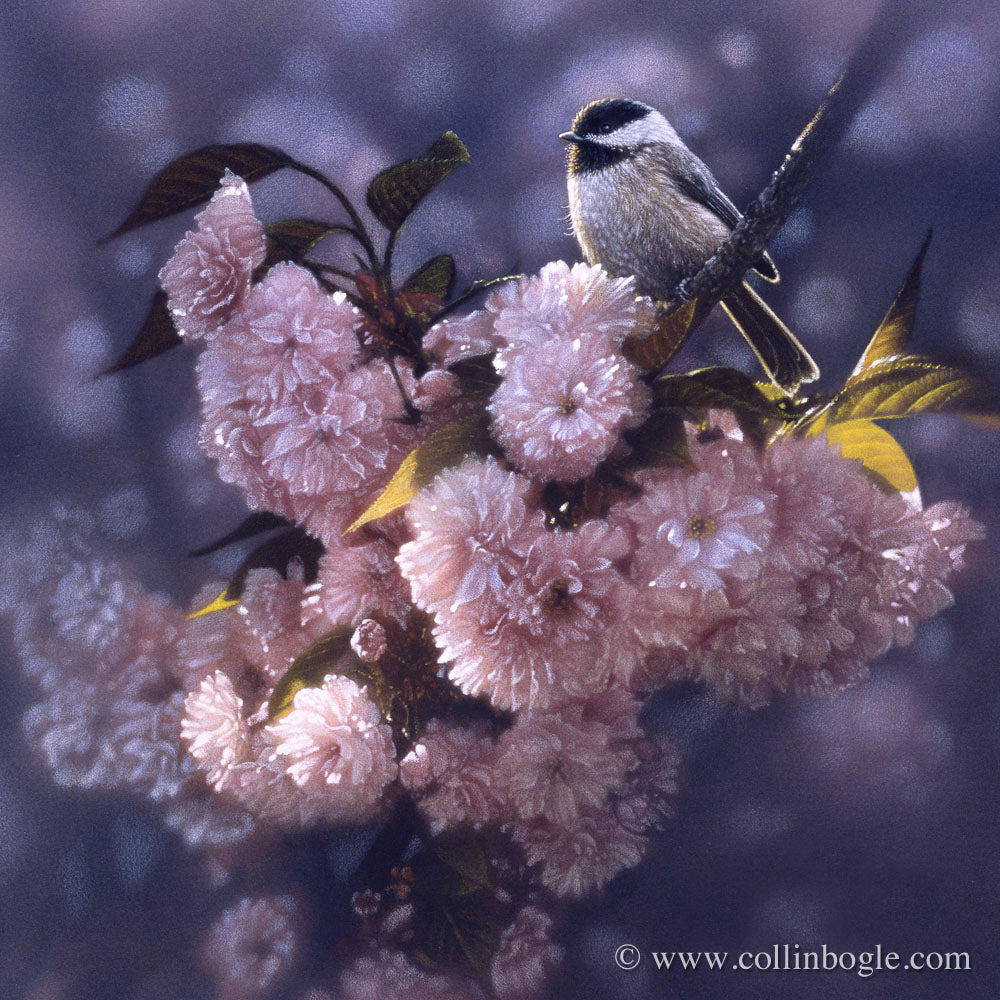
(570, 137)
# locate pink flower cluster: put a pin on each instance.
(567, 392)
(759, 571)
(290, 412)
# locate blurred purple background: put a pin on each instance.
(869, 819)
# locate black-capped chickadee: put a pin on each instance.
(643, 204)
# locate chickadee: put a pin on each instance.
(643, 204)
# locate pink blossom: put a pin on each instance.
(261, 785)
(653, 786)
(924, 568)
(277, 619)
(206, 820)
(434, 390)
(849, 571)
(253, 642)
(450, 770)
(562, 406)
(337, 747)
(456, 338)
(288, 335)
(557, 766)
(251, 946)
(701, 528)
(358, 578)
(336, 451)
(526, 957)
(574, 861)
(102, 650)
(473, 530)
(369, 641)
(292, 417)
(615, 708)
(215, 727)
(388, 974)
(249, 765)
(558, 629)
(568, 302)
(821, 502)
(746, 638)
(320, 454)
(94, 735)
(210, 270)
(75, 613)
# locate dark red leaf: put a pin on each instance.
(292, 239)
(279, 553)
(193, 179)
(254, 524)
(158, 334)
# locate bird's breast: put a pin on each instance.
(642, 225)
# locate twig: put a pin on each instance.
(886, 34)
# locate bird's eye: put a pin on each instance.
(606, 128)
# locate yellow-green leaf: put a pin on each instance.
(219, 604)
(905, 386)
(894, 331)
(309, 668)
(880, 453)
(653, 351)
(816, 423)
(444, 448)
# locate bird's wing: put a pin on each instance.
(697, 182)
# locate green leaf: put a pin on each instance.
(434, 277)
(396, 192)
(908, 385)
(894, 331)
(459, 916)
(158, 335)
(309, 668)
(441, 450)
(653, 351)
(480, 285)
(192, 179)
(693, 394)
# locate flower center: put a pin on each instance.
(567, 406)
(558, 597)
(700, 527)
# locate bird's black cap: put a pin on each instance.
(606, 115)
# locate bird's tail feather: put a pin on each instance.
(785, 360)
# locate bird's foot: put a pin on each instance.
(683, 290)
